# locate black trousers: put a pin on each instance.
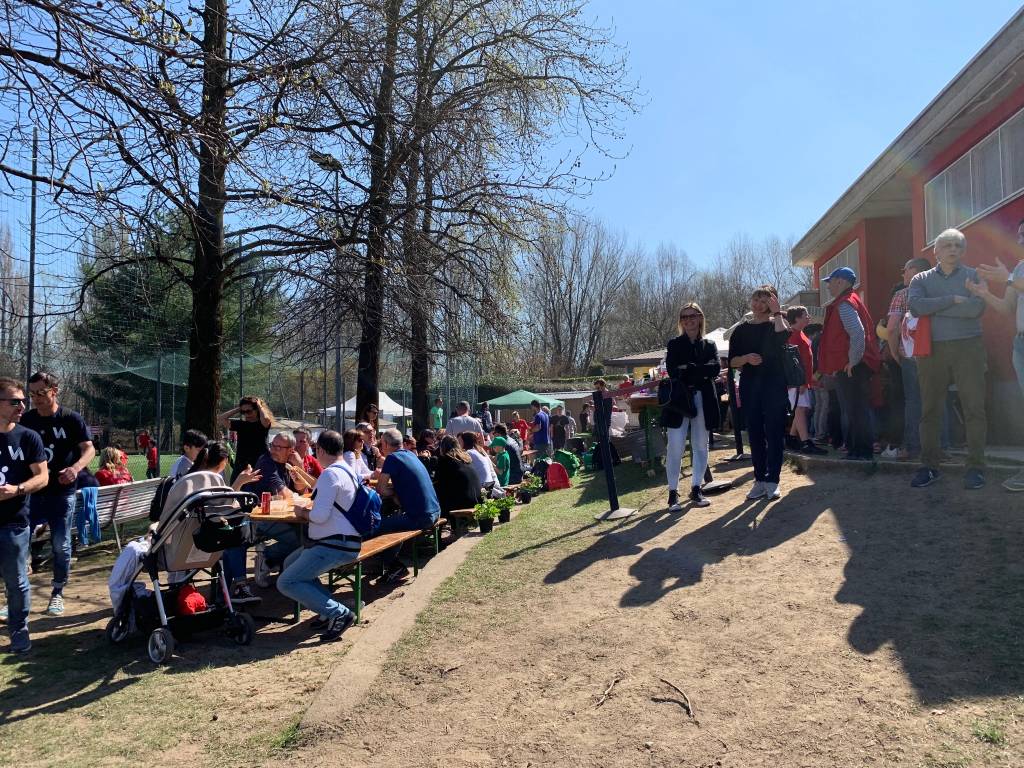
(855, 395)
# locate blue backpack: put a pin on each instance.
(364, 514)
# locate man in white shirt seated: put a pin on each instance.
(462, 422)
(332, 540)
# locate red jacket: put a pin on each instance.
(834, 348)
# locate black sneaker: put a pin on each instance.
(697, 498)
(394, 575)
(810, 449)
(924, 477)
(793, 443)
(673, 501)
(242, 595)
(337, 626)
(974, 480)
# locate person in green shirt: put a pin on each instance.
(437, 414)
(501, 460)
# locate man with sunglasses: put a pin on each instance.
(68, 445)
(252, 431)
(22, 471)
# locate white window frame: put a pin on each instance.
(1007, 195)
(848, 257)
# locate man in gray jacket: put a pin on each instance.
(958, 355)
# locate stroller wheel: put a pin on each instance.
(241, 628)
(161, 645)
(117, 630)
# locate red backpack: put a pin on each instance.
(558, 478)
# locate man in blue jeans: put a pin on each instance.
(69, 450)
(908, 366)
(404, 478)
(1013, 301)
(22, 471)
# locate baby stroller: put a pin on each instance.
(201, 518)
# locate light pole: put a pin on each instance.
(331, 164)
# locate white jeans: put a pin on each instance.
(677, 442)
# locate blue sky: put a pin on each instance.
(760, 115)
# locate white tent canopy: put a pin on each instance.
(718, 336)
(389, 409)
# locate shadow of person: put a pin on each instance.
(939, 576)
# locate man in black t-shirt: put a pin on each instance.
(251, 430)
(559, 427)
(68, 445)
(22, 471)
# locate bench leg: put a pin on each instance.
(357, 589)
(117, 535)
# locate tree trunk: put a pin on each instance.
(206, 339)
(371, 320)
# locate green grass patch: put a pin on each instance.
(287, 738)
(989, 733)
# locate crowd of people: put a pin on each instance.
(861, 388)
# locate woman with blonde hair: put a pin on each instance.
(112, 470)
(691, 406)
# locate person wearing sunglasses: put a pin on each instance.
(692, 365)
(68, 445)
(252, 430)
(22, 471)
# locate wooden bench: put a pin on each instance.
(119, 504)
(353, 572)
(461, 519)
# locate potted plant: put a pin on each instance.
(530, 488)
(485, 512)
(504, 505)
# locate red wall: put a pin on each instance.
(885, 246)
(990, 237)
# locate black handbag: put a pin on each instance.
(793, 367)
(676, 398)
(215, 534)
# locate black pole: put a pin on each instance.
(604, 437)
(32, 258)
(734, 412)
(302, 395)
(241, 340)
(159, 408)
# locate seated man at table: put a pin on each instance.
(404, 479)
(333, 541)
(277, 480)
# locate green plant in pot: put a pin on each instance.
(530, 488)
(504, 505)
(484, 513)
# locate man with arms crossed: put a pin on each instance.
(22, 471)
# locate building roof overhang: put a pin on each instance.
(884, 189)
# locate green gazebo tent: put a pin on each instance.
(522, 399)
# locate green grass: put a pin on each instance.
(989, 733)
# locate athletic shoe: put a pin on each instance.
(20, 641)
(673, 501)
(974, 479)
(3, 613)
(55, 606)
(394, 574)
(772, 491)
(337, 626)
(810, 449)
(792, 443)
(757, 490)
(242, 595)
(260, 570)
(697, 498)
(890, 453)
(1015, 483)
(924, 478)
(318, 624)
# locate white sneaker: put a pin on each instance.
(261, 571)
(757, 490)
(890, 453)
(772, 491)
(3, 613)
(55, 606)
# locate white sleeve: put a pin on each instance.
(326, 492)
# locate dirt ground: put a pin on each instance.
(854, 622)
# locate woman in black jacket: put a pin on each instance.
(692, 364)
(455, 480)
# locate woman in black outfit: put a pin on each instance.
(692, 364)
(455, 480)
(755, 348)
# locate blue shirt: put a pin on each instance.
(541, 437)
(274, 477)
(412, 485)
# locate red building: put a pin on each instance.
(960, 164)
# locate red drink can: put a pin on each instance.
(265, 502)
